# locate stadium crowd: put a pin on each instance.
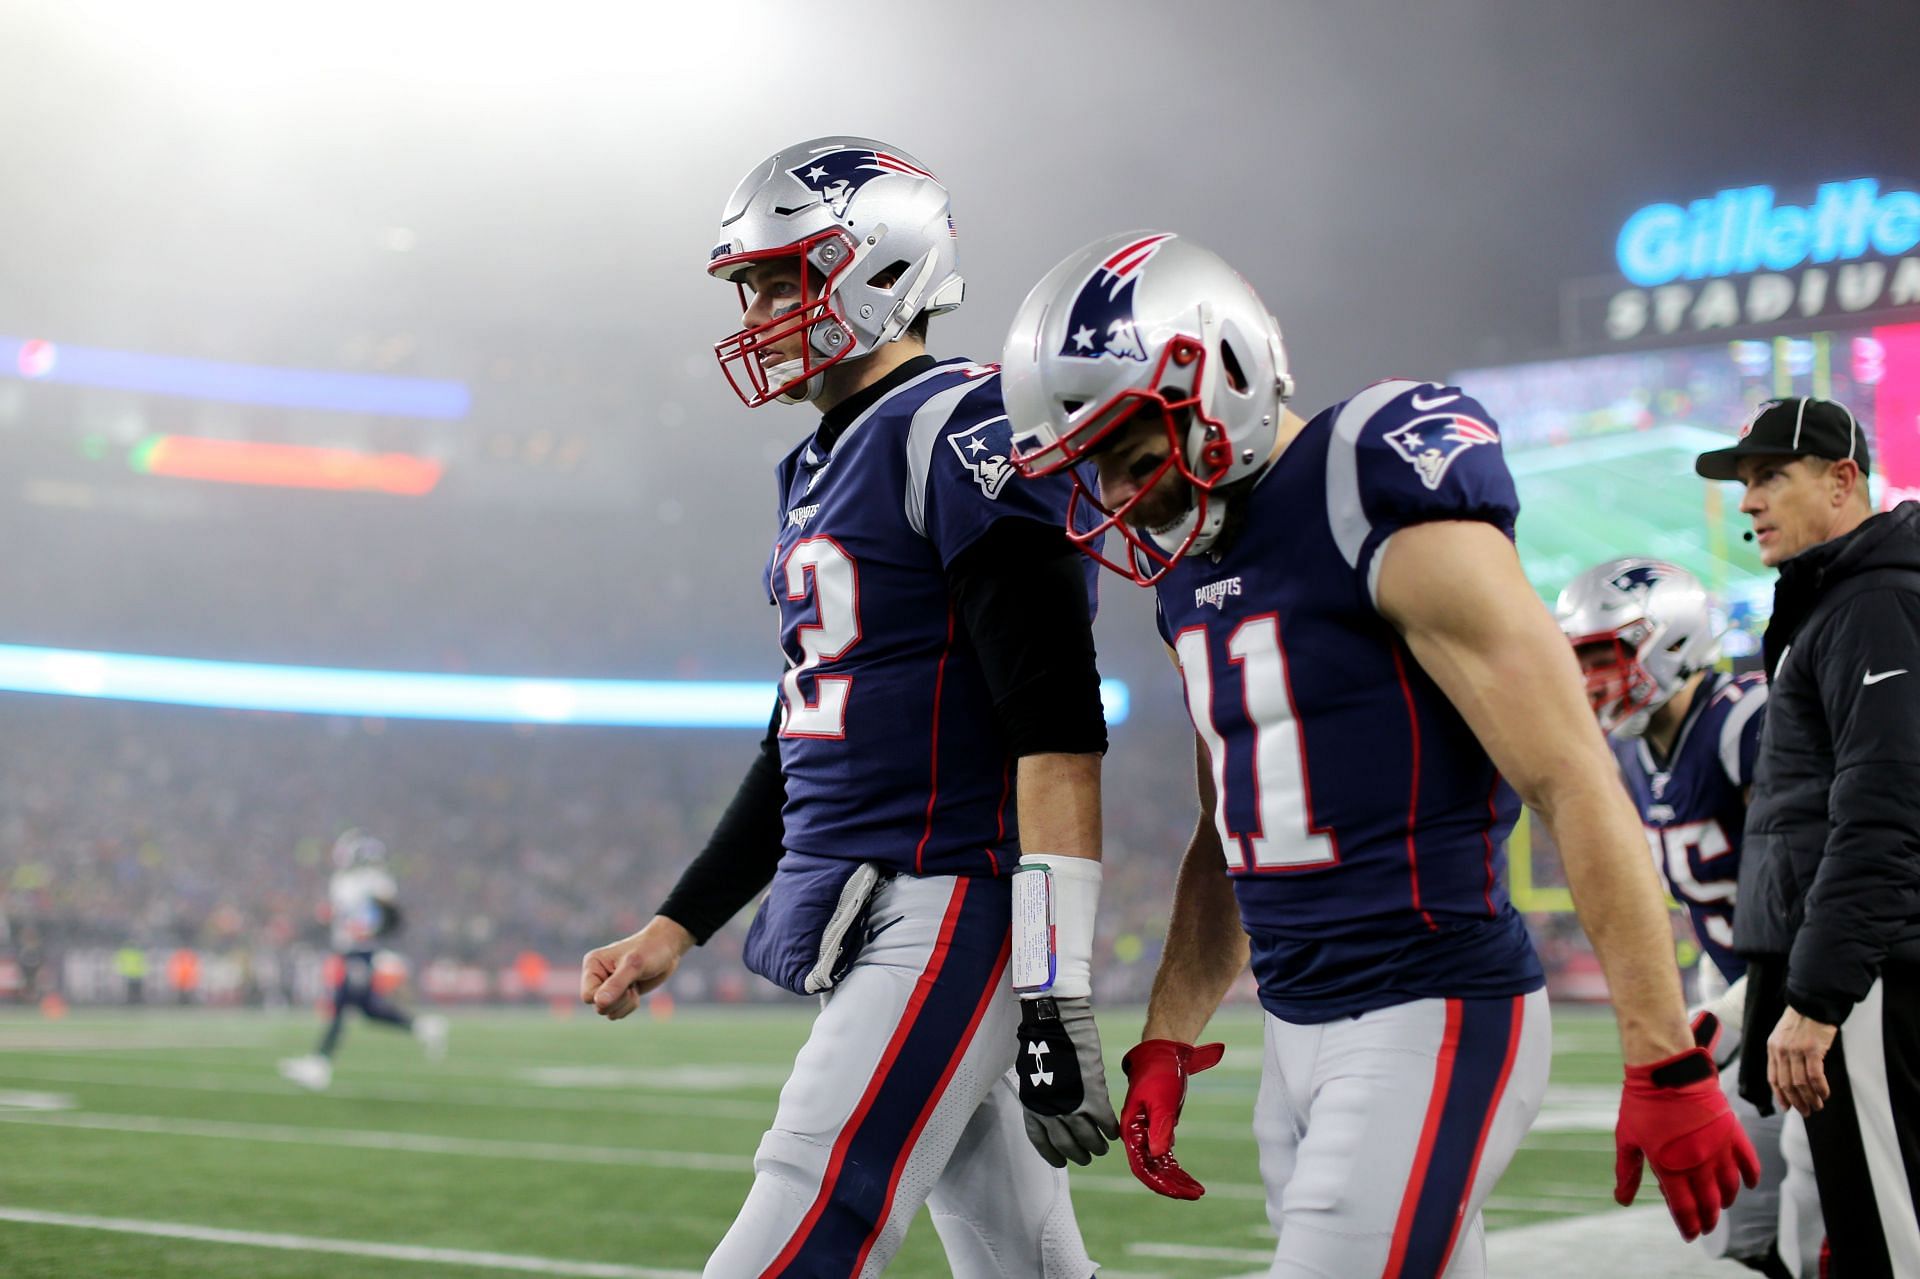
(160, 828)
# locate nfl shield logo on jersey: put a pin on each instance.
(983, 451)
(838, 175)
(1431, 443)
(1100, 325)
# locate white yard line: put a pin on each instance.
(1618, 1243)
(1196, 1252)
(343, 1247)
(1629, 1243)
(369, 1139)
(457, 1095)
(488, 1148)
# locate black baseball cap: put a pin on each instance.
(1803, 426)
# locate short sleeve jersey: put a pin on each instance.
(1364, 826)
(354, 896)
(888, 743)
(1694, 806)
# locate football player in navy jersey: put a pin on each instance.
(1367, 669)
(938, 728)
(1686, 737)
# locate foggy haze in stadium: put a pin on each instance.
(505, 218)
(524, 206)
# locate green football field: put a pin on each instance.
(164, 1144)
(1631, 494)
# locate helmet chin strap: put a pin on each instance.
(1210, 526)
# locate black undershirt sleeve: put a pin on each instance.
(739, 858)
(1021, 593)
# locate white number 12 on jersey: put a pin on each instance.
(1283, 833)
(818, 566)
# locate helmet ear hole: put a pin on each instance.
(1072, 406)
(888, 276)
(1230, 365)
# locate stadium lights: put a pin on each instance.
(315, 690)
(276, 53)
(285, 465)
(382, 395)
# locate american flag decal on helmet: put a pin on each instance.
(837, 176)
(1431, 443)
(1100, 323)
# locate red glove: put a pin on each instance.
(1157, 1071)
(1673, 1116)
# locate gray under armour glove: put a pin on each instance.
(1063, 1082)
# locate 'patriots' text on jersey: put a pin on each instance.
(1694, 806)
(1363, 824)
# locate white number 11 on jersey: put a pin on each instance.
(1283, 834)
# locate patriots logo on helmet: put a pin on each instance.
(985, 451)
(1641, 577)
(1431, 443)
(1759, 411)
(1100, 323)
(837, 176)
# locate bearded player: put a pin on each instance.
(1371, 680)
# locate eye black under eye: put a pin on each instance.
(1144, 466)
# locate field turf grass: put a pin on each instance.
(579, 1146)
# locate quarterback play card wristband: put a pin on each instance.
(1055, 901)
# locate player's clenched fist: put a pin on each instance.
(1674, 1117)
(1157, 1072)
(613, 978)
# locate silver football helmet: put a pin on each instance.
(1146, 321)
(847, 211)
(357, 848)
(1642, 627)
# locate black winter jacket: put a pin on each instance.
(1830, 870)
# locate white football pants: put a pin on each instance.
(1382, 1135)
(903, 1094)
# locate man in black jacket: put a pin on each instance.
(1829, 914)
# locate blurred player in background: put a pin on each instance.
(940, 713)
(1366, 667)
(364, 910)
(1686, 738)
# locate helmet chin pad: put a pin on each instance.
(796, 386)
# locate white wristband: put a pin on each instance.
(1055, 902)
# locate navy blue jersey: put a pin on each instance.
(1694, 804)
(1364, 827)
(888, 742)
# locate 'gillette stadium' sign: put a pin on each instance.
(1742, 258)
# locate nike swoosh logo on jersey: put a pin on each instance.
(1422, 403)
(1871, 678)
(877, 929)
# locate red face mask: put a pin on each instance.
(739, 354)
(1618, 686)
(1177, 378)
